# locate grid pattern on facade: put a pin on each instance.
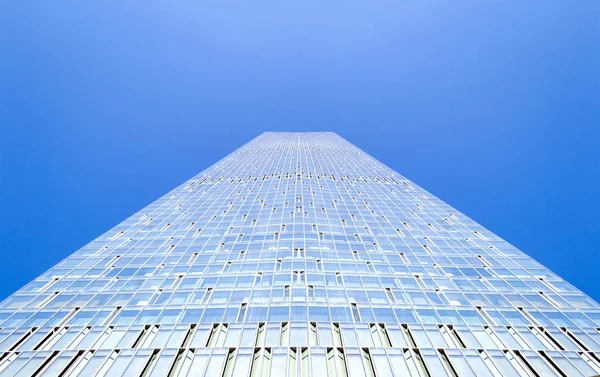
(299, 255)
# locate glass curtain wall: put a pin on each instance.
(299, 255)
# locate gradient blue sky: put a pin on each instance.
(493, 106)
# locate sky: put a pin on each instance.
(493, 106)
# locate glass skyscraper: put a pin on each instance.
(299, 255)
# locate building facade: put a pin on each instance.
(299, 255)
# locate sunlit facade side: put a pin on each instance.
(299, 255)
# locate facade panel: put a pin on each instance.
(299, 255)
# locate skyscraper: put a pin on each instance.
(299, 255)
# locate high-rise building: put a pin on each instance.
(299, 255)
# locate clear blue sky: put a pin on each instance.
(494, 106)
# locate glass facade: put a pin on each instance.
(299, 255)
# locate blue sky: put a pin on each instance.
(493, 106)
